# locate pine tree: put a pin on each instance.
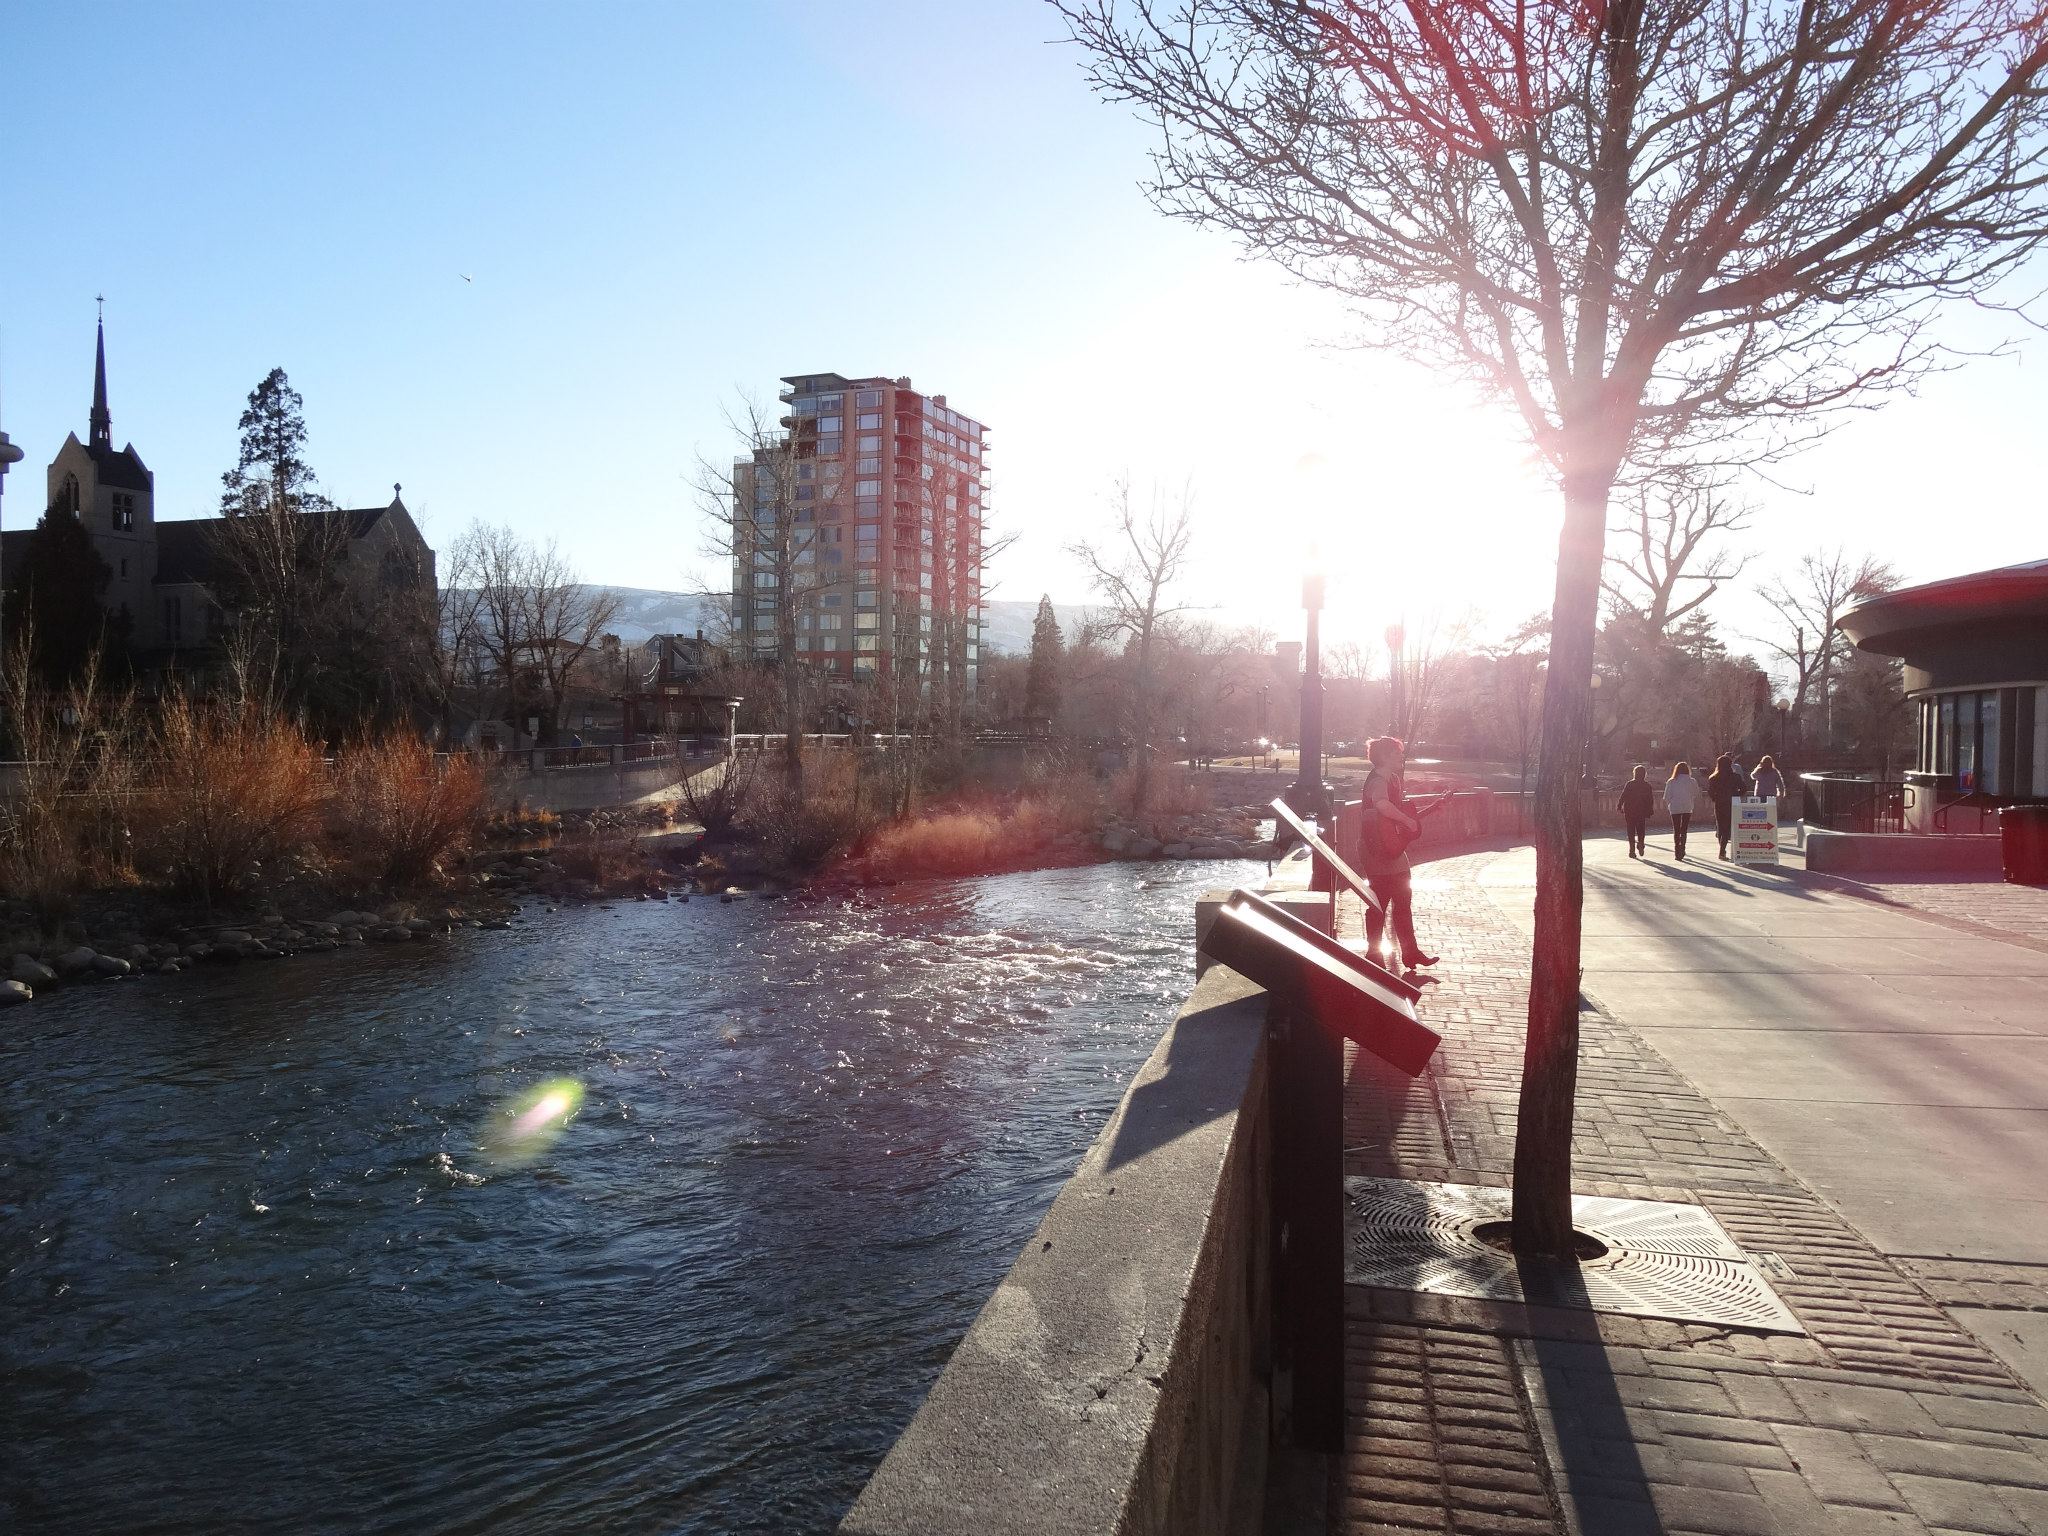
(56, 597)
(1048, 649)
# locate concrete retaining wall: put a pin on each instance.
(1845, 853)
(1116, 1380)
(589, 786)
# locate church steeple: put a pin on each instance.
(102, 424)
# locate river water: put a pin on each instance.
(333, 1244)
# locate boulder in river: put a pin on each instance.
(12, 992)
(31, 972)
(76, 962)
(110, 965)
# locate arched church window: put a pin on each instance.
(67, 495)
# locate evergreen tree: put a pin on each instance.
(56, 597)
(271, 474)
(1048, 650)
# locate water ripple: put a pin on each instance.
(265, 1268)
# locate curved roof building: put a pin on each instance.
(1975, 650)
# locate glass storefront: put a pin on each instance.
(1962, 737)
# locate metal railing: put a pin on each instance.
(1844, 802)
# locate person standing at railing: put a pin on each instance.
(1636, 801)
(1681, 799)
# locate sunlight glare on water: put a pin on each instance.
(647, 1218)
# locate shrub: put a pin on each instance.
(1170, 792)
(717, 798)
(973, 840)
(399, 811)
(233, 789)
(802, 824)
(63, 820)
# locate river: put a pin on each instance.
(275, 1255)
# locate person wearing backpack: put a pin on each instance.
(1636, 800)
(1681, 799)
(1725, 785)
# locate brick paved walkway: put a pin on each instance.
(1477, 1417)
(1984, 905)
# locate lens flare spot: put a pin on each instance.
(531, 1123)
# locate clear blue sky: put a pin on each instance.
(663, 204)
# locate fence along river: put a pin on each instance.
(262, 1270)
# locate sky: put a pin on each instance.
(524, 259)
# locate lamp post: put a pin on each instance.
(1397, 683)
(1309, 795)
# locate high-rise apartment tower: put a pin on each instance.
(858, 534)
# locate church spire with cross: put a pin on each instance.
(102, 424)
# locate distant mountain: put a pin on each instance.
(644, 612)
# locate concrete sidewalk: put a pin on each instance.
(1857, 1089)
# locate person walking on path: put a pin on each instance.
(1388, 873)
(1725, 785)
(1769, 784)
(1636, 801)
(1681, 799)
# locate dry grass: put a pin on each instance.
(63, 821)
(1172, 792)
(398, 812)
(233, 790)
(974, 840)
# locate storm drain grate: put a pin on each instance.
(1662, 1259)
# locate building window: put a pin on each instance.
(124, 514)
(830, 402)
(830, 621)
(831, 423)
(764, 578)
(871, 422)
(67, 495)
(867, 445)
(124, 570)
(868, 466)
(867, 644)
(867, 488)
(868, 400)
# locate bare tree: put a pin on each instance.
(1514, 693)
(456, 656)
(770, 512)
(1671, 534)
(1134, 571)
(1826, 585)
(1661, 233)
(563, 621)
(1417, 656)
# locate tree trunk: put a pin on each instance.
(1550, 1052)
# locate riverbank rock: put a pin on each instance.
(31, 972)
(12, 992)
(1143, 848)
(76, 962)
(110, 965)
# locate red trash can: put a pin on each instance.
(2023, 843)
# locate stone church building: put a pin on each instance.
(166, 576)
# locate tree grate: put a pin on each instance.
(1663, 1260)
